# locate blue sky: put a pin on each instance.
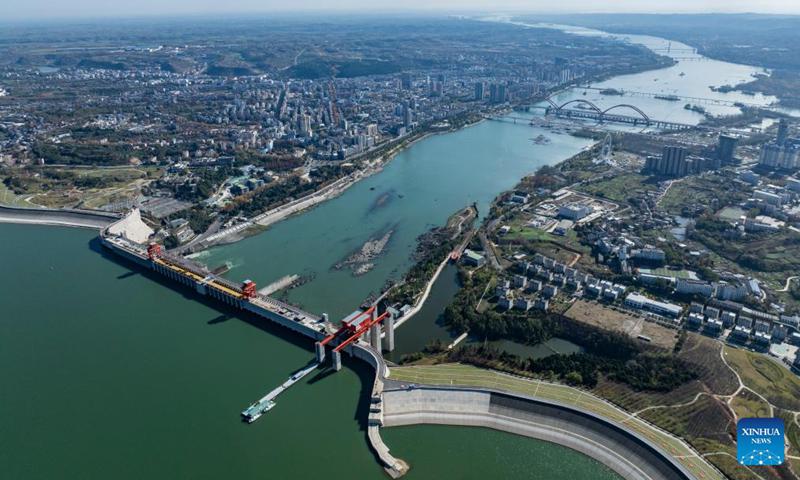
(27, 9)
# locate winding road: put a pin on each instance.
(788, 283)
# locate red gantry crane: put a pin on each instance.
(353, 327)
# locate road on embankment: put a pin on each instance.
(58, 217)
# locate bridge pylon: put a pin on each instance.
(389, 325)
(375, 337)
(336, 360)
(319, 350)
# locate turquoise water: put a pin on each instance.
(486, 453)
(418, 190)
(108, 373)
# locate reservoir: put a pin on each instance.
(108, 373)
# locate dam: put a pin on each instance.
(392, 403)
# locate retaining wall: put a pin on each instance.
(62, 217)
(631, 456)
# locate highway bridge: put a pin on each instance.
(700, 100)
(587, 110)
(636, 121)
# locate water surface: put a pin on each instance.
(107, 372)
(425, 184)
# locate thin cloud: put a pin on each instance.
(45, 9)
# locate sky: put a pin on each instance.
(50, 9)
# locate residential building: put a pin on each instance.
(694, 287)
(726, 149)
(640, 302)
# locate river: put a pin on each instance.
(417, 190)
(112, 373)
(692, 76)
(432, 179)
(108, 372)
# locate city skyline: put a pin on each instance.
(47, 9)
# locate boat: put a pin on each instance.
(266, 403)
(254, 411)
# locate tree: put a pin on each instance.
(574, 378)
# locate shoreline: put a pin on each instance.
(259, 223)
(263, 221)
(429, 285)
(424, 298)
(628, 453)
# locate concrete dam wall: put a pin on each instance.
(59, 217)
(631, 456)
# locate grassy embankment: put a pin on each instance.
(465, 375)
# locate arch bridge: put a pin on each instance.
(591, 111)
(592, 107)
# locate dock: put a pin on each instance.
(267, 402)
(458, 340)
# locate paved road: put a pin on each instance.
(490, 254)
(67, 218)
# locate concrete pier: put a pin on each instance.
(336, 361)
(375, 337)
(319, 350)
(389, 333)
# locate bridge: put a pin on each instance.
(695, 58)
(703, 100)
(591, 111)
(669, 49)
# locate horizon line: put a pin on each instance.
(378, 12)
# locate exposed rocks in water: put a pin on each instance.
(362, 260)
(541, 140)
(362, 269)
